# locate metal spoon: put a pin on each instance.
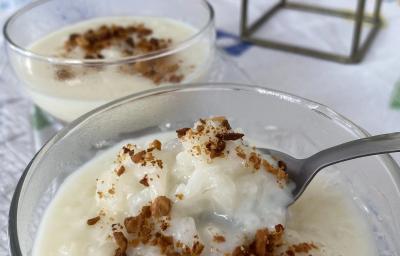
(302, 171)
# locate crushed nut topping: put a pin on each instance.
(120, 170)
(143, 157)
(142, 230)
(300, 248)
(161, 206)
(240, 152)
(138, 157)
(219, 239)
(264, 244)
(122, 243)
(182, 132)
(217, 132)
(144, 181)
(179, 196)
(155, 144)
(129, 41)
(93, 221)
(64, 73)
(230, 136)
(209, 139)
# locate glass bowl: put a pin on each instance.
(282, 121)
(67, 87)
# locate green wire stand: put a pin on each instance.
(359, 16)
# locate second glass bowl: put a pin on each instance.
(68, 87)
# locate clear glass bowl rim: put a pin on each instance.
(386, 160)
(99, 62)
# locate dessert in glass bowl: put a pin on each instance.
(82, 54)
(201, 191)
(169, 183)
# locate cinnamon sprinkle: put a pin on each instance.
(179, 196)
(120, 170)
(144, 181)
(142, 230)
(155, 144)
(64, 73)
(129, 40)
(182, 132)
(93, 221)
(122, 243)
(230, 136)
(219, 239)
(161, 206)
(138, 157)
(265, 243)
(300, 248)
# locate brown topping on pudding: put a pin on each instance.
(93, 221)
(200, 128)
(159, 162)
(120, 170)
(300, 248)
(130, 41)
(265, 243)
(164, 225)
(126, 148)
(93, 41)
(226, 124)
(215, 149)
(155, 144)
(210, 138)
(230, 136)
(217, 132)
(137, 224)
(158, 70)
(138, 157)
(261, 241)
(100, 194)
(122, 243)
(197, 248)
(143, 157)
(255, 159)
(133, 224)
(218, 119)
(118, 252)
(175, 78)
(282, 165)
(219, 239)
(116, 227)
(144, 181)
(64, 73)
(182, 132)
(111, 191)
(162, 241)
(240, 152)
(280, 173)
(179, 196)
(161, 206)
(142, 230)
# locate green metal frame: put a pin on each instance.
(358, 49)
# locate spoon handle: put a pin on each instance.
(374, 145)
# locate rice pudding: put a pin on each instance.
(201, 191)
(70, 90)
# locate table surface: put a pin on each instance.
(360, 92)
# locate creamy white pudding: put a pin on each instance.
(205, 193)
(70, 90)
